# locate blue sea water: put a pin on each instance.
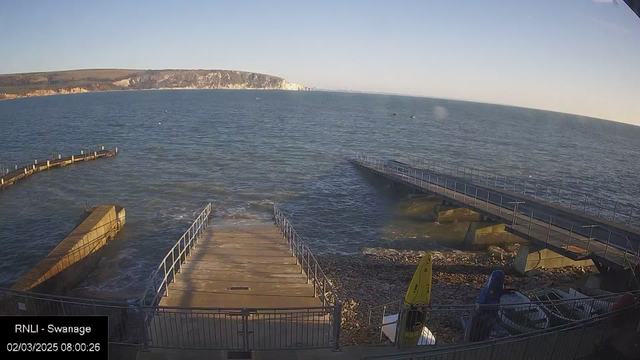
(245, 150)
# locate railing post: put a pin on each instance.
(173, 265)
(315, 279)
(487, 203)
(615, 208)
(590, 236)
(475, 198)
(324, 283)
(308, 264)
(600, 207)
(530, 222)
(337, 324)
(143, 329)
(549, 231)
(179, 255)
(570, 233)
(245, 329)
(164, 279)
(464, 196)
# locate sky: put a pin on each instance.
(573, 56)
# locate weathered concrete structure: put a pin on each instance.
(531, 258)
(67, 264)
(489, 232)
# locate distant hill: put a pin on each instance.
(80, 81)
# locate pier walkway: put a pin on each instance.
(9, 177)
(249, 287)
(567, 232)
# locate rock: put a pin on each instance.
(496, 250)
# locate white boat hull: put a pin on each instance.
(426, 338)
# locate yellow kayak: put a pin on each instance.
(418, 294)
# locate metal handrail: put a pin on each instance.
(539, 190)
(315, 274)
(520, 215)
(306, 259)
(184, 246)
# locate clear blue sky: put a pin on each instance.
(575, 56)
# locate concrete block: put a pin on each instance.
(529, 258)
(445, 213)
(488, 232)
(68, 263)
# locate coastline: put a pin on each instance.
(53, 93)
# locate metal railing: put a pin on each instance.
(309, 265)
(307, 261)
(126, 320)
(171, 264)
(457, 324)
(568, 341)
(523, 220)
(616, 211)
(243, 329)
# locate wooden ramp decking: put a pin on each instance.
(241, 288)
(245, 267)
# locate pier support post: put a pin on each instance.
(25, 171)
(35, 161)
(73, 159)
(48, 164)
(116, 149)
(1, 181)
(16, 167)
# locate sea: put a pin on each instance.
(243, 151)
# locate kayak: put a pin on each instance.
(417, 298)
(426, 337)
(484, 319)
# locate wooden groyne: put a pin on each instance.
(10, 177)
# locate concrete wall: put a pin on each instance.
(489, 232)
(69, 262)
(446, 213)
(530, 258)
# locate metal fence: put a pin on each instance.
(616, 211)
(171, 264)
(458, 324)
(524, 220)
(569, 341)
(242, 329)
(126, 321)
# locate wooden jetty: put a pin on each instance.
(247, 287)
(24, 171)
